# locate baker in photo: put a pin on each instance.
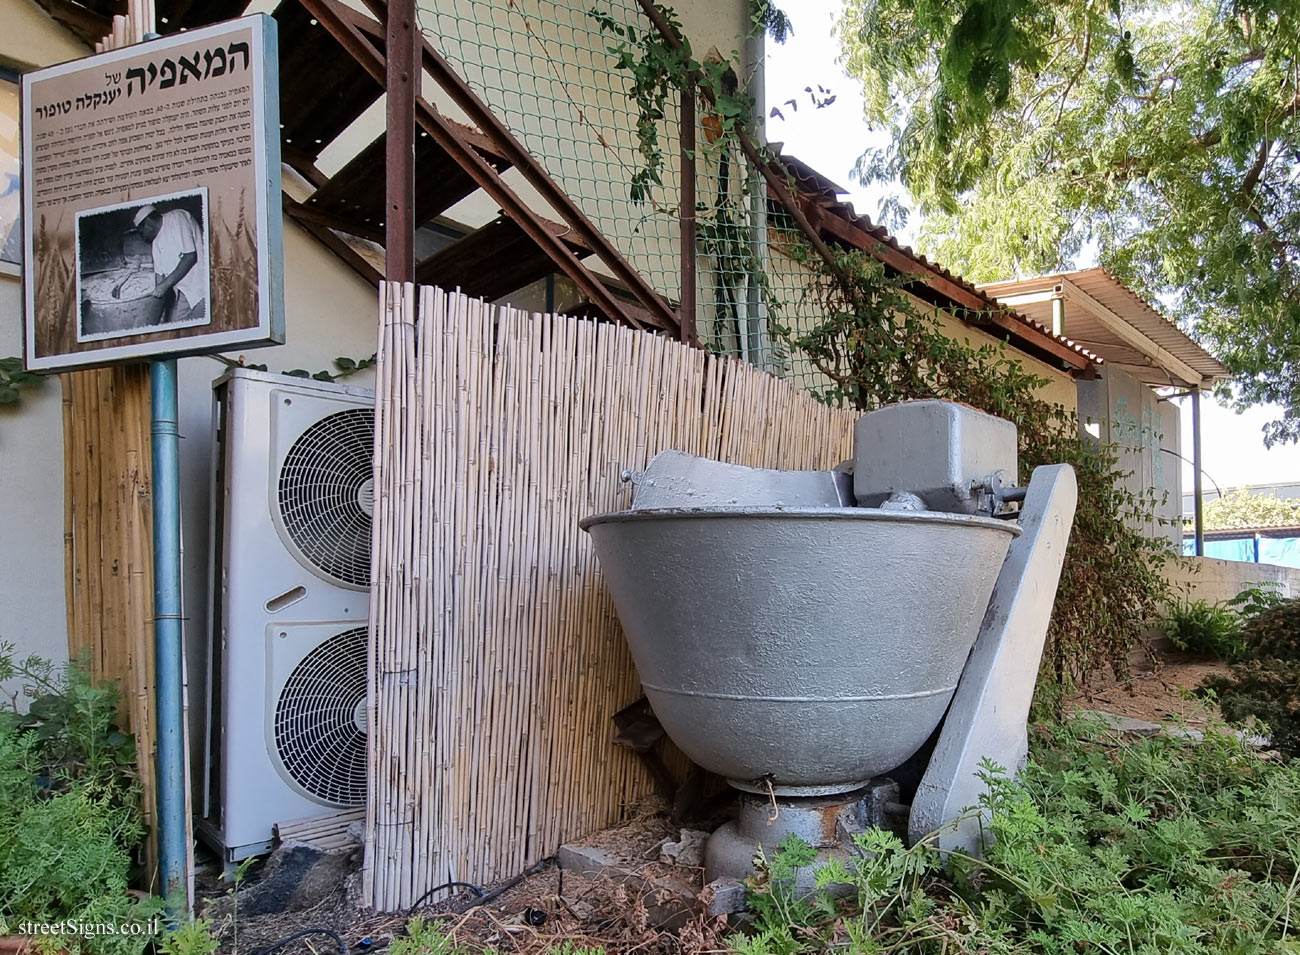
(180, 268)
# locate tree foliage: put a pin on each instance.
(1242, 508)
(1163, 134)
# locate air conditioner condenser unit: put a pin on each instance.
(285, 734)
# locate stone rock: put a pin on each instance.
(688, 850)
(723, 897)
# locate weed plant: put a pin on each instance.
(1161, 846)
(1201, 627)
(1265, 684)
(68, 818)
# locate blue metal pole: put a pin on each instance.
(169, 711)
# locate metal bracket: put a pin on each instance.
(989, 711)
(995, 497)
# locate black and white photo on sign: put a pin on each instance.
(143, 266)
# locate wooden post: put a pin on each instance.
(403, 87)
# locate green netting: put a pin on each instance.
(545, 68)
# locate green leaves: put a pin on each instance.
(1199, 626)
(1162, 845)
(1166, 137)
(1264, 683)
(13, 379)
(69, 820)
(345, 366)
(876, 346)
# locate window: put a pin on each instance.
(11, 204)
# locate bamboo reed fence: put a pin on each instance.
(496, 660)
(108, 550)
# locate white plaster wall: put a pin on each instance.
(30, 38)
(32, 614)
(1131, 416)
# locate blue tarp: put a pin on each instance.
(1284, 551)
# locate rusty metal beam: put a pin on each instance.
(482, 116)
(334, 243)
(402, 83)
(775, 181)
(306, 213)
(303, 165)
(343, 25)
(87, 25)
(987, 314)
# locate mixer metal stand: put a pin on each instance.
(827, 823)
(989, 712)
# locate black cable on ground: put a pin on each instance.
(446, 885)
(276, 946)
(506, 886)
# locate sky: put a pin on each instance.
(832, 138)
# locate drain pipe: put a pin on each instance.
(169, 712)
(1198, 495)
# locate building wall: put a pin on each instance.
(1124, 412)
(32, 613)
(30, 38)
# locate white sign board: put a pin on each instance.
(151, 199)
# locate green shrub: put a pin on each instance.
(875, 345)
(1161, 845)
(68, 817)
(1198, 626)
(1265, 686)
(1255, 599)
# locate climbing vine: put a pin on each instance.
(343, 367)
(875, 344)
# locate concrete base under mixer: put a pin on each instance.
(827, 823)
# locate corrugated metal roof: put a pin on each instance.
(1167, 362)
(811, 182)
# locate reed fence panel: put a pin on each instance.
(496, 659)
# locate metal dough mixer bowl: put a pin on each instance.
(809, 648)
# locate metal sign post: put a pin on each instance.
(172, 848)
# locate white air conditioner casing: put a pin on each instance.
(285, 719)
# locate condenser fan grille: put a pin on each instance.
(320, 720)
(326, 495)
